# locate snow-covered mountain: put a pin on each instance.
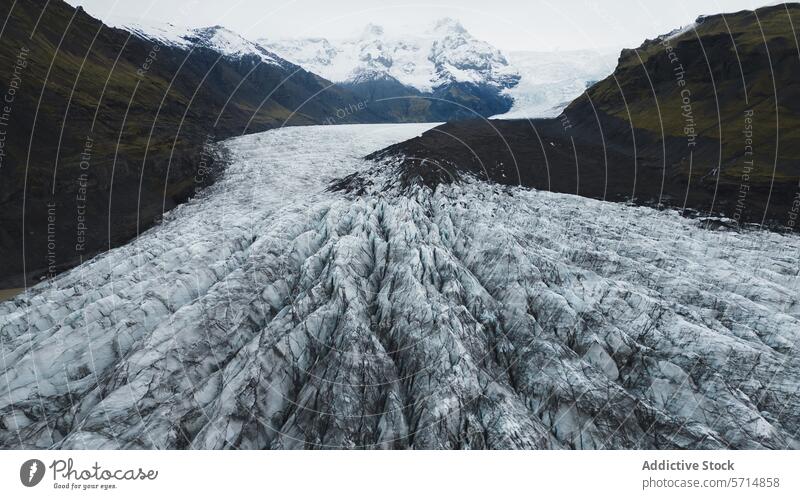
(549, 81)
(274, 312)
(217, 38)
(444, 54)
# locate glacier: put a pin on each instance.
(273, 311)
(549, 81)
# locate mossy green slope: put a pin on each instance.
(731, 80)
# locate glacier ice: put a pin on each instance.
(273, 312)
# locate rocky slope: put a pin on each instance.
(273, 312)
(431, 74)
(705, 119)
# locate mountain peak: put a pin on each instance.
(216, 27)
(449, 24)
(219, 38)
(372, 30)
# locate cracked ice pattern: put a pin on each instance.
(271, 313)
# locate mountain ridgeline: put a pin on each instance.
(705, 119)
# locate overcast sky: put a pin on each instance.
(508, 24)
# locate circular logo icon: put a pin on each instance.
(31, 472)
